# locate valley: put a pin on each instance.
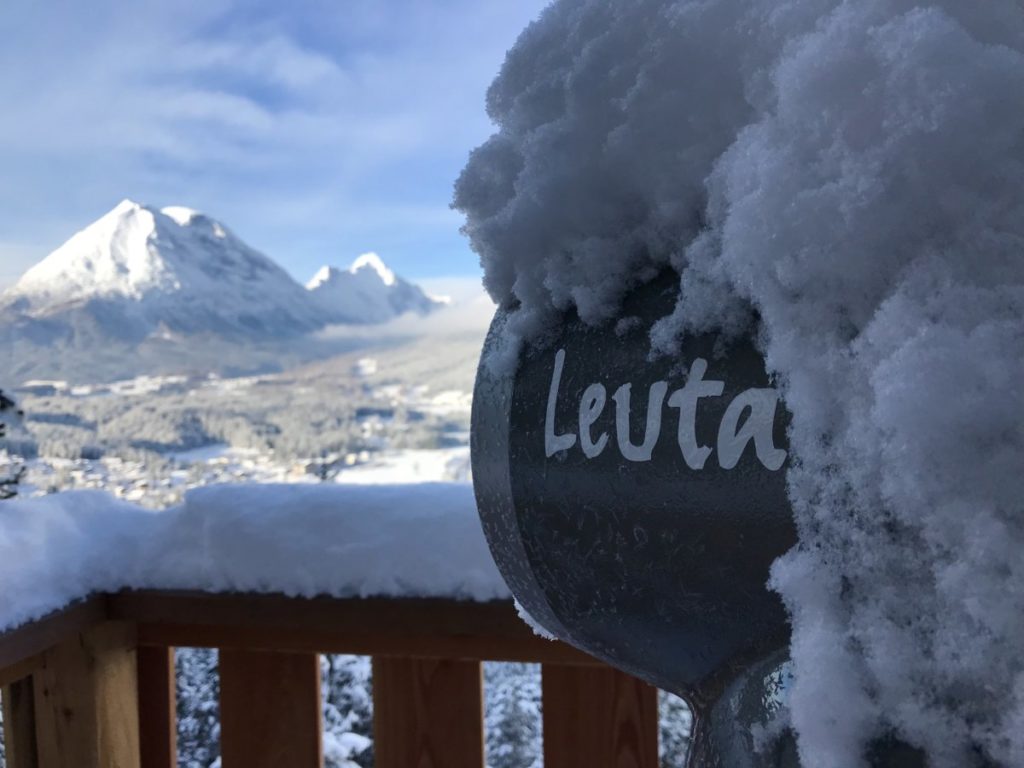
(393, 410)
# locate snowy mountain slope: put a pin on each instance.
(148, 290)
(367, 292)
(140, 271)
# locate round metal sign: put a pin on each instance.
(635, 504)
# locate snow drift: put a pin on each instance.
(842, 180)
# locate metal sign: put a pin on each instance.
(635, 504)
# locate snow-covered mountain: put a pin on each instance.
(140, 271)
(367, 292)
(158, 290)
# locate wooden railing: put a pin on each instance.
(93, 685)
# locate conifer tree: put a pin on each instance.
(11, 469)
(348, 711)
(198, 693)
(513, 719)
(3, 759)
(675, 723)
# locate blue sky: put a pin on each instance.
(316, 130)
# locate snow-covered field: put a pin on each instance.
(411, 466)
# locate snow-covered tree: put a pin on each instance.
(348, 711)
(675, 723)
(12, 469)
(513, 715)
(7, 408)
(3, 759)
(198, 687)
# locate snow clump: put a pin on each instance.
(845, 181)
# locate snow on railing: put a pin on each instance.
(420, 540)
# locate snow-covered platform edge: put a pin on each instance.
(421, 540)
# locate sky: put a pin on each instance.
(315, 130)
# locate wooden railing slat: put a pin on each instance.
(86, 701)
(421, 627)
(20, 724)
(270, 712)
(427, 713)
(158, 735)
(598, 717)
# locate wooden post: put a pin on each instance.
(20, 724)
(270, 712)
(86, 701)
(598, 717)
(158, 736)
(427, 713)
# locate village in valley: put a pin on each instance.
(150, 439)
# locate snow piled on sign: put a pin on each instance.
(421, 540)
(844, 180)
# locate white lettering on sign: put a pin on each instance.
(685, 400)
(554, 443)
(758, 404)
(652, 431)
(591, 405)
(732, 438)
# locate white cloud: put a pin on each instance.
(459, 289)
(238, 108)
(471, 311)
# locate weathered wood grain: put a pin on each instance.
(598, 717)
(428, 713)
(270, 709)
(158, 735)
(86, 701)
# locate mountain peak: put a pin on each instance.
(125, 206)
(182, 215)
(138, 268)
(371, 261)
(323, 275)
(108, 257)
(366, 264)
(367, 292)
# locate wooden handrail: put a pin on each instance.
(426, 627)
(94, 681)
(420, 627)
(21, 648)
